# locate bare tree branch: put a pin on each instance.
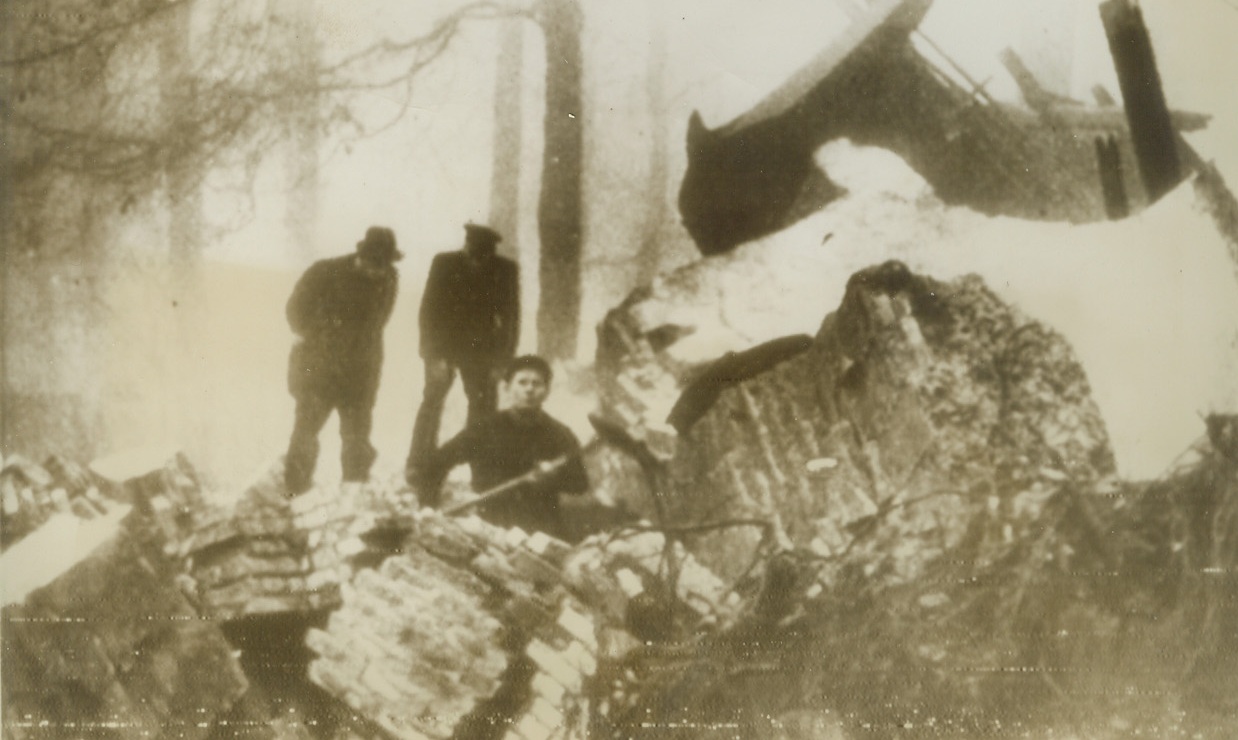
(146, 12)
(231, 101)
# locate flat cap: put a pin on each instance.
(481, 234)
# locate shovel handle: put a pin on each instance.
(507, 486)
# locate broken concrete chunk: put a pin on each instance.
(396, 626)
(977, 396)
(112, 641)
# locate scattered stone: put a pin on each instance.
(113, 643)
(31, 494)
(930, 397)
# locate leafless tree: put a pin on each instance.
(657, 204)
(559, 208)
(79, 77)
(132, 99)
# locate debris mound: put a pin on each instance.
(266, 554)
(916, 399)
(105, 643)
(32, 494)
(1105, 610)
(460, 629)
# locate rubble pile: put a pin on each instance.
(908, 518)
(183, 563)
(33, 493)
(401, 627)
(611, 570)
(437, 635)
(109, 645)
(917, 402)
(1169, 267)
(1095, 609)
(477, 631)
(265, 554)
(437, 626)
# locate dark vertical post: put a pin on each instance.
(1152, 132)
(559, 209)
(1109, 163)
(508, 132)
(183, 175)
(296, 43)
(178, 100)
(657, 204)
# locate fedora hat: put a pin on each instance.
(379, 246)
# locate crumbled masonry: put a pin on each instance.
(910, 519)
(914, 397)
(424, 644)
(31, 494)
(111, 642)
(437, 627)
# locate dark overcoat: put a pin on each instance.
(470, 312)
(339, 313)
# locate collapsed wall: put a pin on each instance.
(1148, 303)
(476, 631)
(346, 611)
(99, 639)
(930, 478)
(917, 398)
(264, 554)
(1098, 610)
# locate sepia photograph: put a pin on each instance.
(618, 369)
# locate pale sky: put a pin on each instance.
(431, 171)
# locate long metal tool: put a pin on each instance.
(538, 472)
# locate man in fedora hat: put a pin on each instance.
(338, 310)
(470, 323)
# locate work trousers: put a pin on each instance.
(479, 387)
(356, 455)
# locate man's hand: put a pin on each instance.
(545, 468)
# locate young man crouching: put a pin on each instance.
(517, 441)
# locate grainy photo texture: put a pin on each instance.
(657, 369)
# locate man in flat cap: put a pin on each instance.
(470, 323)
(338, 310)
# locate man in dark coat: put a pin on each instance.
(470, 323)
(516, 441)
(338, 311)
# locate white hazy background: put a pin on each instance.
(227, 404)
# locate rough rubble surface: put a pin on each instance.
(916, 400)
(987, 569)
(424, 642)
(1102, 610)
(265, 554)
(1167, 274)
(32, 494)
(402, 631)
(611, 570)
(111, 646)
(437, 627)
(477, 631)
